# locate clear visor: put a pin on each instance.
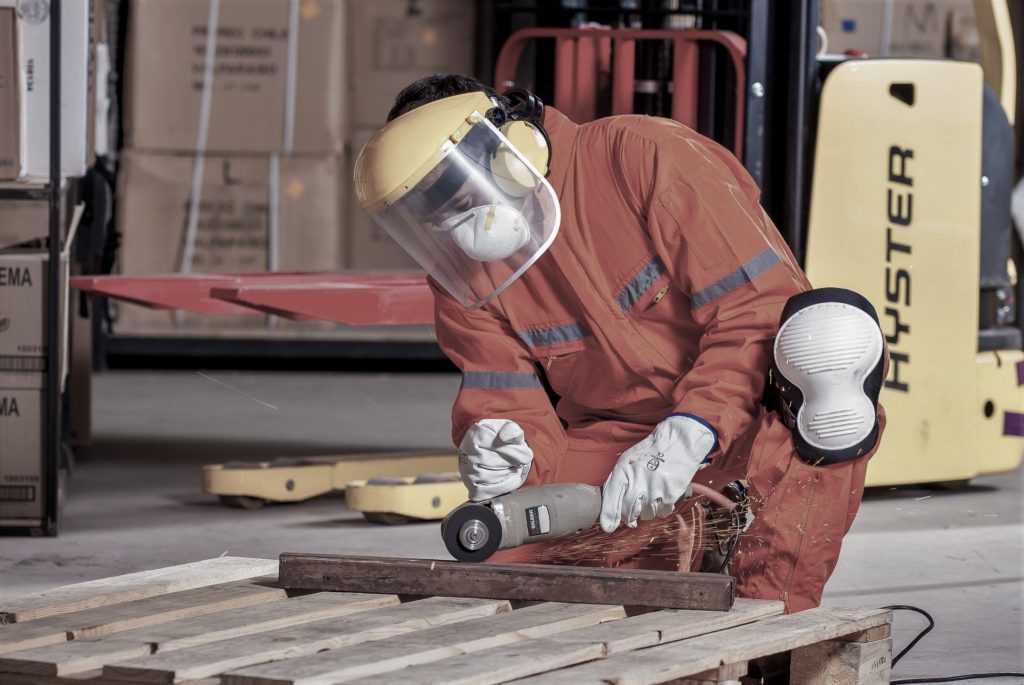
(478, 219)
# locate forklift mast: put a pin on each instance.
(777, 122)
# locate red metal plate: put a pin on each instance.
(371, 297)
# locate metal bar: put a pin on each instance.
(685, 82)
(659, 589)
(594, 11)
(565, 72)
(754, 85)
(265, 349)
(623, 75)
(52, 302)
(346, 303)
(569, 65)
(803, 47)
(585, 79)
(193, 292)
(739, 46)
(9, 193)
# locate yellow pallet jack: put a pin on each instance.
(251, 485)
(392, 501)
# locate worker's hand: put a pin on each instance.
(494, 458)
(652, 475)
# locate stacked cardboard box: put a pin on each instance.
(242, 137)
(24, 345)
(235, 122)
(901, 28)
(25, 88)
(391, 47)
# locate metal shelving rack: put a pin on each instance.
(53, 425)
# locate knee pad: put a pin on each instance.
(827, 372)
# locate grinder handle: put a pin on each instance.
(546, 512)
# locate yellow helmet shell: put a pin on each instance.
(401, 153)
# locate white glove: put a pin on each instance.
(494, 458)
(654, 473)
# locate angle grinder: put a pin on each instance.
(475, 530)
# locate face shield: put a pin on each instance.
(479, 216)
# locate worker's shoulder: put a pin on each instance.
(654, 134)
(653, 129)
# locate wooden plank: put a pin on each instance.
(75, 657)
(132, 586)
(577, 646)
(729, 673)
(208, 660)
(842, 663)
(658, 589)
(698, 654)
(104, 620)
(467, 637)
(80, 656)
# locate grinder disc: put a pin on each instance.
(471, 533)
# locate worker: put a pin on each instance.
(626, 267)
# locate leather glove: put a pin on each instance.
(494, 458)
(652, 475)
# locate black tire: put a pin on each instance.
(388, 518)
(949, 485)
(243, 502)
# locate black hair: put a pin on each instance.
(433, 87)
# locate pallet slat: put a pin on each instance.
(132, 586)
(534, 656)
(310, 638)
(698, 654)
(249, 632)
(80, 656)
(421, 647)
(104, 620)
(658, 589)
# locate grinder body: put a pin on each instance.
(475, 530)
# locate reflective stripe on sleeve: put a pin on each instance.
(640, 284)
(541, 337)
(745, 274)
(500, 380)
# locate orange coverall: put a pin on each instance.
(661, 294)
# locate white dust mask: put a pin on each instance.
(489, 233)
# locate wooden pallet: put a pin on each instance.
(225, 621)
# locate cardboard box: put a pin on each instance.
(891, 28)
(261, 101)
(10, 119)
(964, 43)
(367, 245)
(390, 47)
(233, 223)
(23, 221)
(22, 443)
(33, 41)
(24, 335)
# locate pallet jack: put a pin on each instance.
(250, 485)
(391, 501)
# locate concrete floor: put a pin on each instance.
(135, 503)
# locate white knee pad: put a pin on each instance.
(828, 371)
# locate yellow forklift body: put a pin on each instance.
(895, 215)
